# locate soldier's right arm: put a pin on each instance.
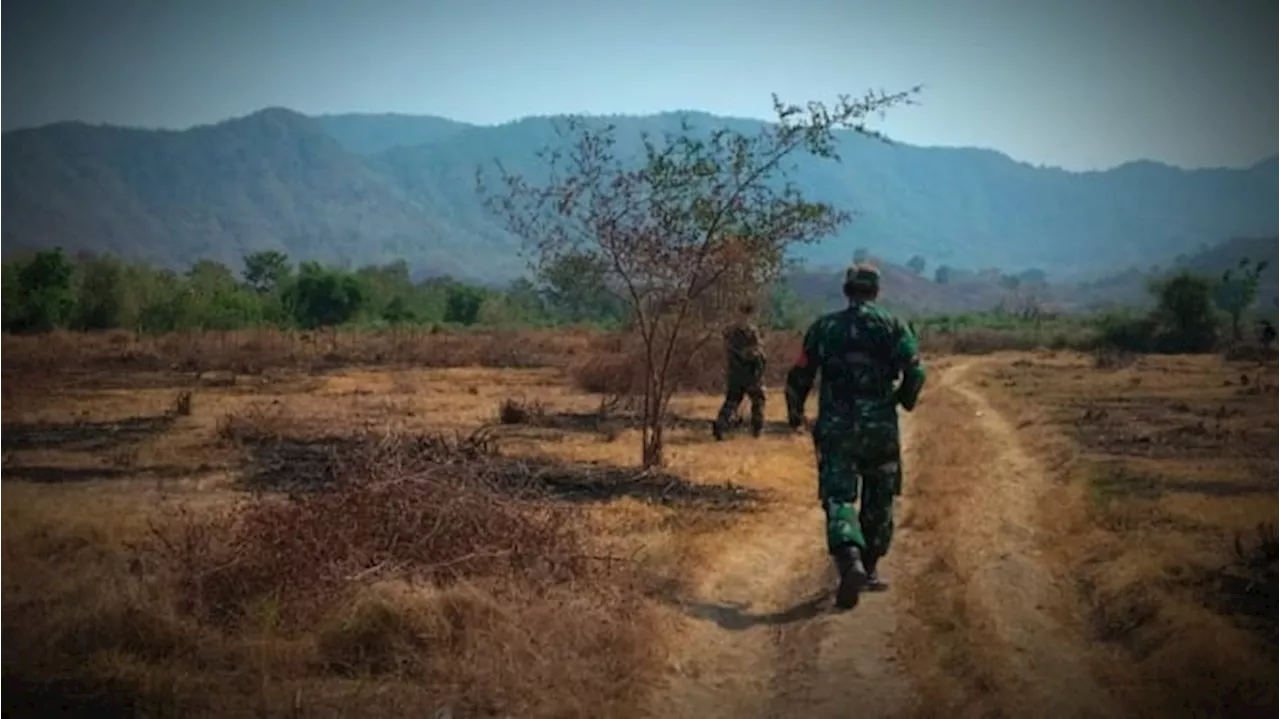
(801, 375)
(906, 358)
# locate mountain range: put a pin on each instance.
(369, 188)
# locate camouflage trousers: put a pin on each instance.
(736, 388)
(857, 487)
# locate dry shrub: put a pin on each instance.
(1248, 587)
(614, 364)
(255, 424)
(395, 512)
(182, 404)
(250, 352)
(980, 341)
(519, 411)
(1109, 358)
(428, 574)
(566, 651)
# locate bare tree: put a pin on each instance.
(690, 226)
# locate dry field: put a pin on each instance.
(361, 529)
(1168, 529)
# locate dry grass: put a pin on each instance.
(1175, 557)
(411, 565)
(234, 525)
(949, 644)
(250, 352)
(613, 364)
(980, 340)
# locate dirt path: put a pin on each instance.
(768, 643)
(762, 641)
(1045, 659)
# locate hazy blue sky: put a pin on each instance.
(1075, 83)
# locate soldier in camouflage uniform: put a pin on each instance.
(744, 374)
(861, 351)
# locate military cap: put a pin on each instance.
(862, 275)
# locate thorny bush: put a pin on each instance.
(403, 507)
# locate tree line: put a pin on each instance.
(51, 290)
(1194, 313)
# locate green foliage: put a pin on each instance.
(9, 286)
(462, 304)
(787, 310)
(49, 290)
(917, 265)
(45, 298)
(167, 306)
(577, 289)
(266, 271)
(1186, 310)
(323, 297)
(1127, 331)
(397, 312)
(100, 300)
(942, 275)
(1182, 322)
(1237, 291)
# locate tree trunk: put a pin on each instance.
(652, 456)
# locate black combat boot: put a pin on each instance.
(853, 576)
(874, 582)
(717, 431)
(757, 428)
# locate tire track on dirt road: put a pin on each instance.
(1022, 616)
(769, 643)
(762, 640)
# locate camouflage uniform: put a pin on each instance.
(744, 375)
(861, 351)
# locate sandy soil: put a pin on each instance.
(762, 639)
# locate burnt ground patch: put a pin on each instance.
(1171, 427)
(26, 696)
(1117, 480)
(54, 474)
(302, 465)
(534, 416)
(1246, 588)
(82, 435)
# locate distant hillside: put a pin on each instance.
(1129, 288)
(901, 290)
(371, 134)
(973, 291)
(372, 188)
(273, 180)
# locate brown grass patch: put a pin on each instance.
(409, 567)
(183, 609)
(614, 364)
(251, 352)
(1177, 457)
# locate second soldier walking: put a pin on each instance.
(744, 373)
